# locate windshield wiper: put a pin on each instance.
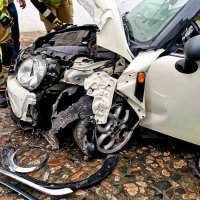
(127, 23)
(127, 28)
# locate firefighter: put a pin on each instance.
(54, 12)
(5, 49)
(15, 43)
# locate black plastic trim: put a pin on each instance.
(14, 117)
(18, 190)
(23, 125)
(179, 67)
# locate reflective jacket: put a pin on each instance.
(3, 4)
(1, 8)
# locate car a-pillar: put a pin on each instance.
(192, 55)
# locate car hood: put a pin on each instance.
(111, 33)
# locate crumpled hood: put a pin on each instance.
(111, 36)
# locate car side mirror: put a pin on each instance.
(192, 54)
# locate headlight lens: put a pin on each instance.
(32, 72)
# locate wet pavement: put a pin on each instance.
(147, 169)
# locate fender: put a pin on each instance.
(81, 109)
(72, 89)
(75, 108)
(126, 83)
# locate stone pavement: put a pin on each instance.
(146, 169)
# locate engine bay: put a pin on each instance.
(57, 60)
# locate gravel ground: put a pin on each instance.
(146, 169)
(27, 38)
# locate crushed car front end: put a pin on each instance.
(53, 63)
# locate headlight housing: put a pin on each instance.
(31, 72)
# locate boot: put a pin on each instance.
(3, 101)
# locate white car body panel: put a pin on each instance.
(127, 81)
(101, 86)
(19, 98)
(107, 17)
(172, 101)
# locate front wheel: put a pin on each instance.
(84, 137)
(107, 138)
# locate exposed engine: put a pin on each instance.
(54, 62)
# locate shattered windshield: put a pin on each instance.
(149, 17)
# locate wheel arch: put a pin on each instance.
(78, 106)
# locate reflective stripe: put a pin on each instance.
(5, 75)
(1, 5)
(2, 81)
(46, 13)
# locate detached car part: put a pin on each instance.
(7, 153)
(102, 173)
(8, 157)
(53, 192)
(18, 190)
(56, 188)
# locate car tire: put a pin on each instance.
(83, 137)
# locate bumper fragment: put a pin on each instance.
(53, 192)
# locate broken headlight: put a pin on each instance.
(32, 72)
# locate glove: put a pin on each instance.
(5, 20)
(22, 4)
(57, 24)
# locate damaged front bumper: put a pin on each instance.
(21, 101)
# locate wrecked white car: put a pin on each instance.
(100, 81)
